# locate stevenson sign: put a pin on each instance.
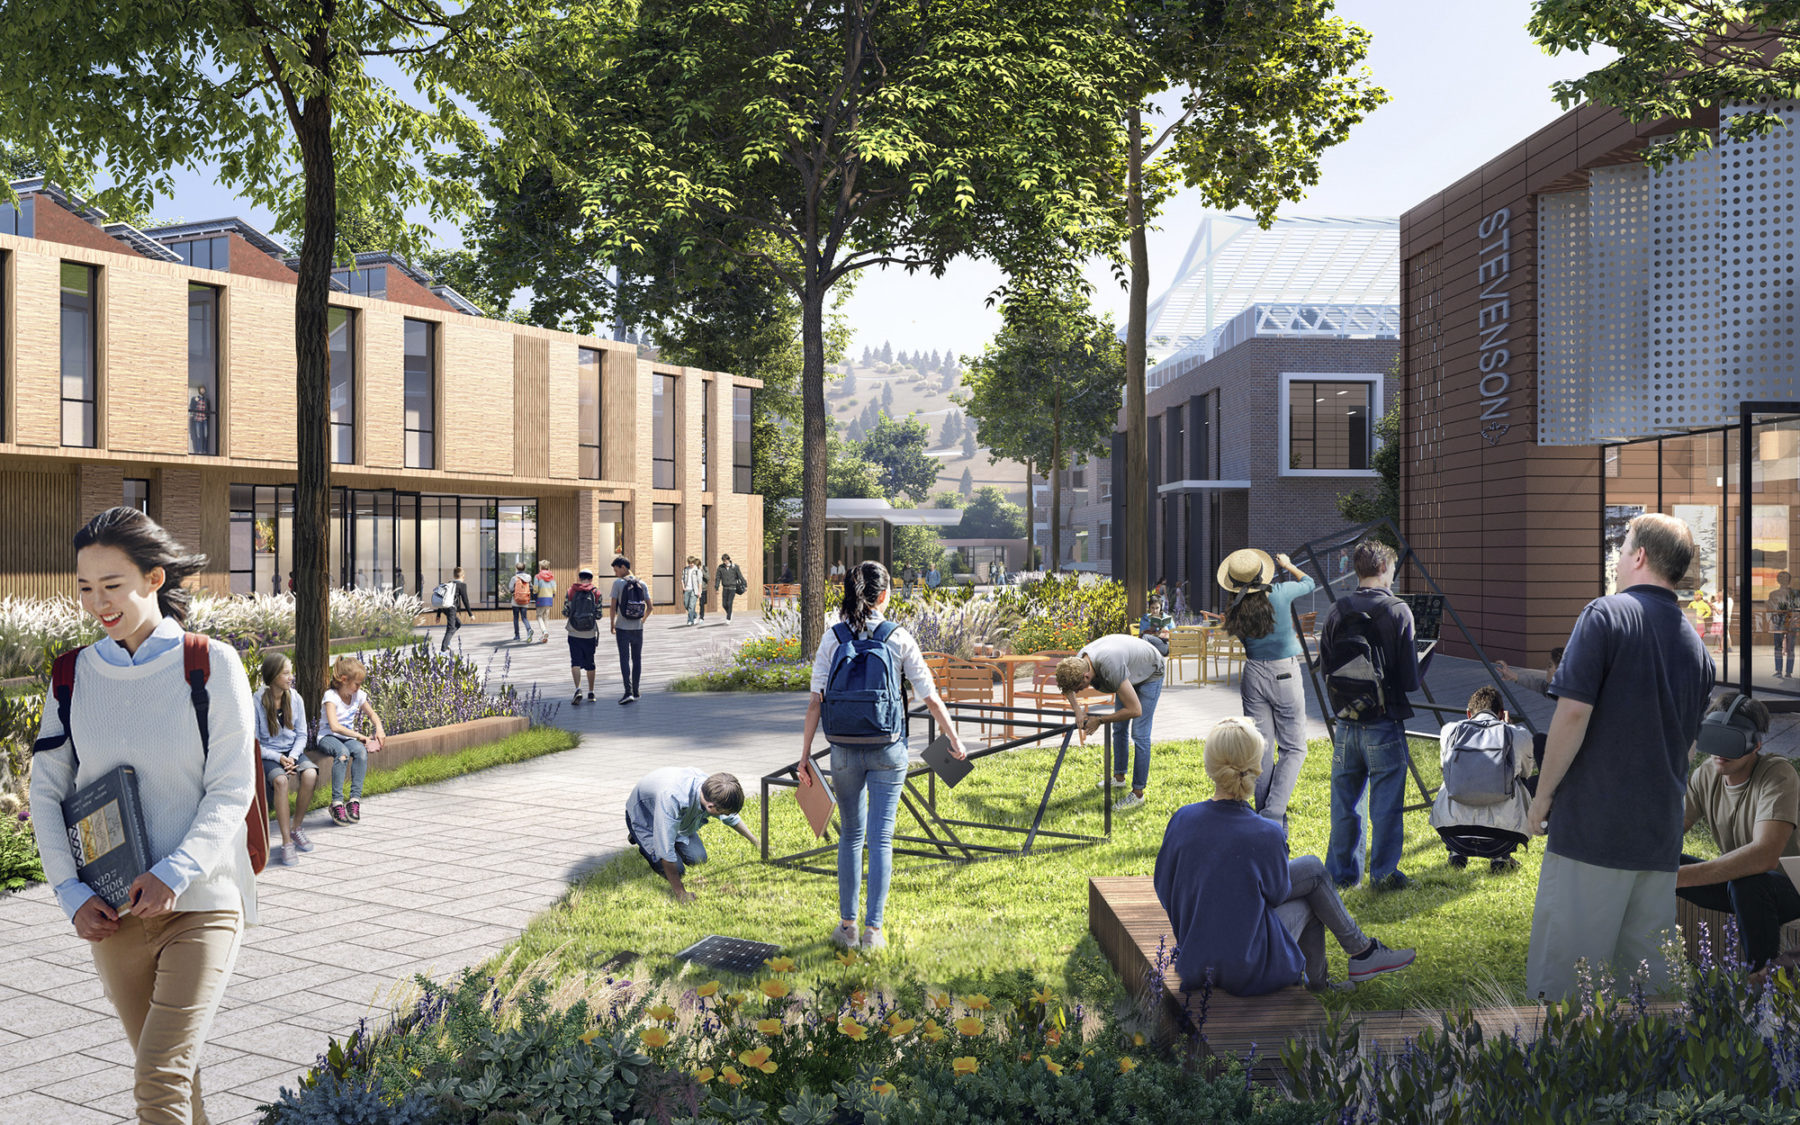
(1493, 320)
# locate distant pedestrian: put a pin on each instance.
(1630, 694)
(731, 583)
(290, 581)
(581, 611)
(543, 588)
(451, 599)
(631, 607)
(933, 579)
(200, 416)
(520, 589)
(1271, 690)
(908, 579)
(1784, 622)
(787, 574)
(693, 587)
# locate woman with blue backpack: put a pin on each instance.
(857, 703)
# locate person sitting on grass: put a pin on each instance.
(343, 708)
(281, 734)
(1246, 917)
(1751, 804)
(1482, 807)
(667, 809)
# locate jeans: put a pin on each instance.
(728, 596)
(521, 616)
(452, 622)
(631, 657)
(1312, 907)
(1148, 693)
(867, 781)
(689, 852)
(1763, 904)
(1274, 699)
(345, 752)
(691, 602)
(1784, 640)
(1372, 756)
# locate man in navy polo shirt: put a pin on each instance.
(1630, 691)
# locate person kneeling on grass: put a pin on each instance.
(281, 735)
(1244, 915)
(1482, 809)
(667, 809)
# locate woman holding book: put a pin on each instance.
(181, 923)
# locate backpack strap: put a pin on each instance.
(196, 664)
(883, 631)
(62, 689)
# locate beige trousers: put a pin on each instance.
(165, 977)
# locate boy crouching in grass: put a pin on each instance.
(667, 809)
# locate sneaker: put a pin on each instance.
(576, 702)
(635, 696)
(1118, 783)
(590, 697)
(338, 816)
(1377, 960)
(844, 935)
(286, 855)
(302, 840)
(1504, 863)
(355, 810)
(873, 939)
(1128, 801)
(626, 698)
(1395, 882)
(1459, 861)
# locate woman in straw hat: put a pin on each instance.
(1243, 913)
(1260, 614)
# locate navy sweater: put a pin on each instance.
(1221, 872)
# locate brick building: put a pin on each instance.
(1588, 338)
(157, 369)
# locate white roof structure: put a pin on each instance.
(1338, 264)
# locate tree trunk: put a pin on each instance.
(312, 392)
(812, 468)
(1137, 447)
(1056, 480)
(1031, 562)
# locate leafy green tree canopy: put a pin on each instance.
(897, 450)
(987, 515)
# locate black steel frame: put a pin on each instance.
(939, 839)
(1309, 553)
(1747, 412)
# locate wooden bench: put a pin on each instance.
(1692, 919)
(1130, 926)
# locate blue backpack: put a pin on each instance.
(862, 698)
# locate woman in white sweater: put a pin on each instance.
(183, 922)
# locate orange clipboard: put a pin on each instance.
(816, 797)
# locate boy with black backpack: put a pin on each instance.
(1482, 807)
(581, 609)
(631, 607)
(1370, 663)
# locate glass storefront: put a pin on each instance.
(386, 539)
(1695, 478)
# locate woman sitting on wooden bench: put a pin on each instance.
(1243, 913)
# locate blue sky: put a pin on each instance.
(1466, 83)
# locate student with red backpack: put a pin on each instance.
(581, 609)
(520, 593)
(857, 702)
(175, 707)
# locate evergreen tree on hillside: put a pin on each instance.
(967, 487)
(887, 397)
(951, 378)
(868, 355)
(887, 352)
(932, 363)
(968, 443)
(855, 432)
(952, 429)
(849, 385)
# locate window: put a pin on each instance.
(421, 394)
(203, 370)
(1105, 540)
(706, 389)
(1177, 462)
(370, 281)
(740, 440)
(662, 411)
(79, 376)
(21, 219)
(611, 533)
(1328, 424)
(137, 494)
(343, 386)
(204, 253)
(662, 553)
(588, 398)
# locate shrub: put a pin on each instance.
(1065, 613)
(19, 864)
(417, 688)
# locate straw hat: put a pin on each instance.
(1246, 567)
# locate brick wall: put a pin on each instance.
(53, 224)
(248, 261)
(145, 391)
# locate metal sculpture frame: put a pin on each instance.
(1309, 553)
(938, 838)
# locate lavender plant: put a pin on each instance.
(418, 688)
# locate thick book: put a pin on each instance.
(946, 765)
(108, 835)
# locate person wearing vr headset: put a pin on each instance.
(1750, 802)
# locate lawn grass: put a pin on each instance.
(949, 924)
(521, 747)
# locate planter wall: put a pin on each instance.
(402, 748)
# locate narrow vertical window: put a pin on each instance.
(740, 439)
(588, 397)
(79, 377)
(662, 553)
(421, 394)
(343, 386)
(136, 494)
(203, 370)
(662, 454)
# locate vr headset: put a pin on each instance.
(1727, 734)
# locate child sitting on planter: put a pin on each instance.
(345, 705)
(1245, 916)
(281, 733)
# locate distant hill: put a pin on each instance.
(923, 395)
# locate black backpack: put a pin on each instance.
(634, 600)
(1355, 667)
(583, 611)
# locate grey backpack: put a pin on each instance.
(1480, 767)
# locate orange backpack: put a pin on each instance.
(521, 591)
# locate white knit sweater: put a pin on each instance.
(194, 801)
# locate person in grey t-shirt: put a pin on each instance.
(1131, 669)
(628, 632)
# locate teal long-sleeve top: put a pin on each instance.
(1282, 642)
